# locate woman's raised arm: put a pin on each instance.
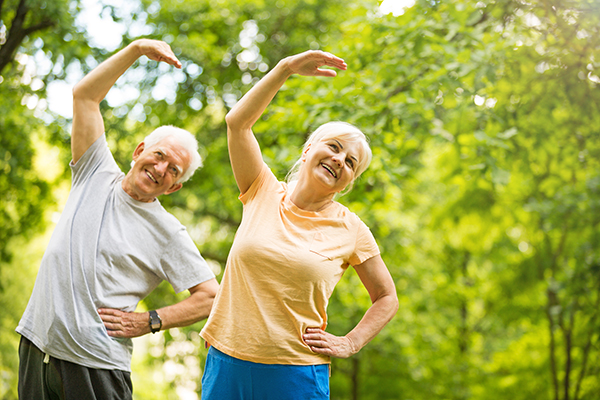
(244, 151)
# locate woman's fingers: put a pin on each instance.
(310, 62)
(322, 342)
(159, 51)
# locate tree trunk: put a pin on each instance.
(355, 376)
(463, 340)
(552, 349)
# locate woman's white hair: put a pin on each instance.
(185, 139)
(337, 130)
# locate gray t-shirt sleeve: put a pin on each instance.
(182, 265)
(97, 156)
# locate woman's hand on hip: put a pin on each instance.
(325, 343)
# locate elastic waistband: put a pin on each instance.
(214, 352)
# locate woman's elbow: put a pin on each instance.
(392, 303)
(396, 304)
(233, 121)
(77, 91)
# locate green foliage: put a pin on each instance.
(483, 193)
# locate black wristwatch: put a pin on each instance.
(155, 322)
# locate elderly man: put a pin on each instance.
(113, 245)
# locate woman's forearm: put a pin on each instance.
(252, 105)
(374, 320)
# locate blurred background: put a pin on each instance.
(484, 191)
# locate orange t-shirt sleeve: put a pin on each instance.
(366, 246)
(265, 177)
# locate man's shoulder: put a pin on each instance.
(97, 159)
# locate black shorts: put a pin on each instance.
(42, 377)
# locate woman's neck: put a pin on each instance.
(308, 199)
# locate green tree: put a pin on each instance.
(35, 48)
(483, 191)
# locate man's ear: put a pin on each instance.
(174, 187)
(138, 150)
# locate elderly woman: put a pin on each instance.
(267, 326)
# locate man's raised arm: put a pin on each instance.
(89, 92)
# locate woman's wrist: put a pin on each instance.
(284, 66)
(353, 346)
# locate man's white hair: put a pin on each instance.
(185, 139)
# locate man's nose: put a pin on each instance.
(161, 167)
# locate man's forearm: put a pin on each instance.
(192, 309)
(95, 85)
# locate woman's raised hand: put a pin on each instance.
(158, 51)
(310, 62)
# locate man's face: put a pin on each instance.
(156, 170)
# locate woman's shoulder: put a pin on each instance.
(339, 210)
(265, 184)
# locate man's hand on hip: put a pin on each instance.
(124, 324)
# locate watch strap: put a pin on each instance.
(155, 321)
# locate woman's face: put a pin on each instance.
(331, 163)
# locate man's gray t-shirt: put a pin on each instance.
(107, 251)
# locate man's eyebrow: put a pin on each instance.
(166, 154)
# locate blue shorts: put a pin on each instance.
(228, 378)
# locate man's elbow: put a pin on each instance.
(83, 95)
(208, 292)
(211, 288)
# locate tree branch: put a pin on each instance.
(42, 25)
(1, 5)
(551, 299)
(18, 33)
(568, 334)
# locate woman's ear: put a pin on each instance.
(303, 158)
